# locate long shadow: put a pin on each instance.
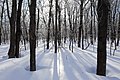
(111, 66)
(113, 78)
(67, 68)
(90, 52)
(55, 72)
(80, 61)
(114, 59)
(41, 56)
(85, 53)
(90, 64)
(78, 66)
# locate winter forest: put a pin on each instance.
(59, 39)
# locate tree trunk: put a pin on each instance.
(56, 8)
(81, 23)
(25, 32)
(65, 30)
(118, 37)
(91, 26)
(1, 25)
(102, 10)
(32, 35)
(59, 21)
(12, 19)
(70, 32)
(38, 20)
(49, 22)
(94, 22)
(18, 29)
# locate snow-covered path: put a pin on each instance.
(65, 65)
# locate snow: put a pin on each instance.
(65, 65)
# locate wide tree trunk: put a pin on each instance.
(12, 19)
(102, 10)
(32, 35)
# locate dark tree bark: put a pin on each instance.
(38, 25)
(75, 25)
(53, 26)
(49, 22)
(91, 26)
(12, 19)
(113, 29)
(94, 21)
(59, 22)
(65, 30)
(118, 37)
(82, 38)
(1, 25)
(5, 31)
(56, 12)
(81, 23)
(32, 35)
(18, 29)
(102, 10)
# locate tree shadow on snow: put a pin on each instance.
(55, 72)
(37, 68)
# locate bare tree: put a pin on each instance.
(18, 29)
(81, 23)
(56, 13)
(118, 37)
(102, 10)
(32, 36)
(1, 25)
(49, 22)
(59, 26)
(12, 20)
(65, 29)
(91, 26)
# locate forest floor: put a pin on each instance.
(65, 65)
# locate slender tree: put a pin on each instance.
(1, 25)
(65, 29)
(25, 31)
(81, 23)
(56, 12)
(91, 26)
(94, 19)
(49, 22)
(38, 20)
(70, 32)
(18, 29)
(59, 26)
(102, 11)
(118, 37)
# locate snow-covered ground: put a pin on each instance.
(65, 65)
